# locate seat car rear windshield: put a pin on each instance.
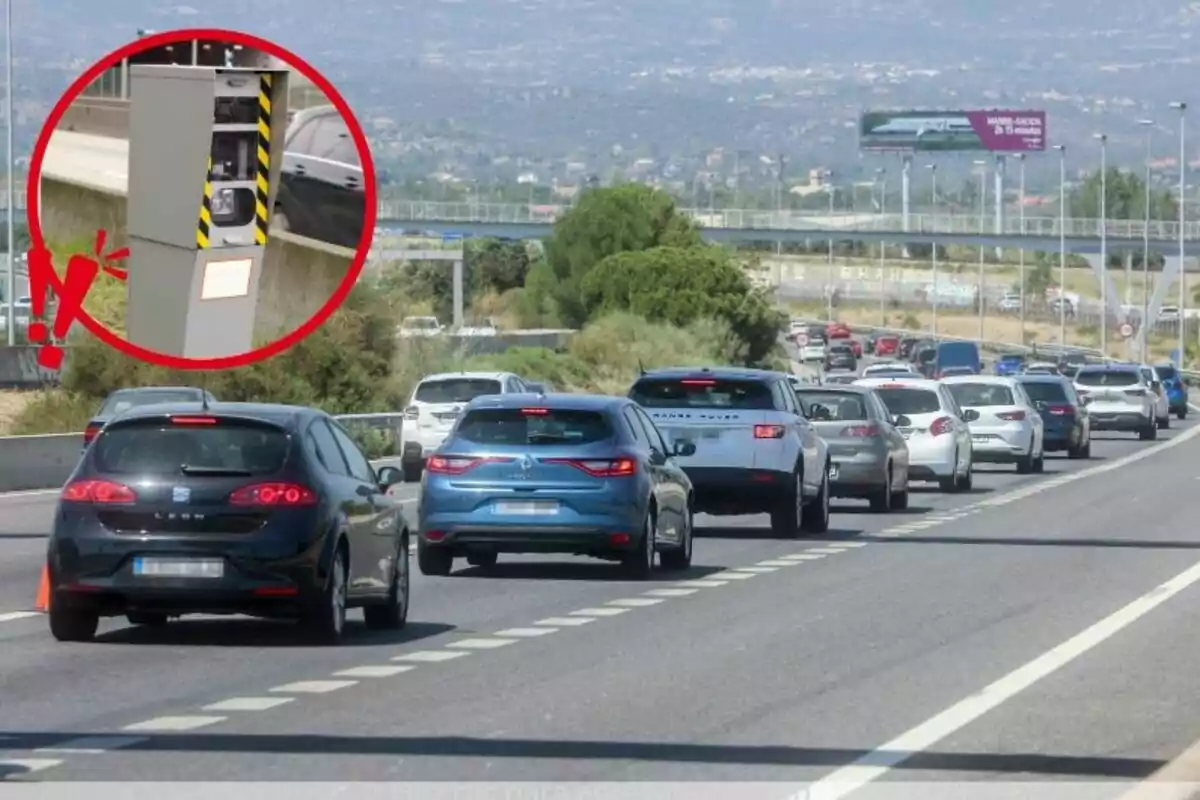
(1098, 377)
(910, 401)
(456, 390)
(825, 406)
(531, 426)
(1040, 392)
(981, 394)
(120, 403)
(702, 393)
(158, 448)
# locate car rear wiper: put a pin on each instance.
(190, 469)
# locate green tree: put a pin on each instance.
(1125, 198)
(681, 285)
(603, 222)
(498, 265)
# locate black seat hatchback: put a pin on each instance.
(228, 508)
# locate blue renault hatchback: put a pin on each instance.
(1176, 389)
(555, 473)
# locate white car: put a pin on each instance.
(1010, 429)
(420, 327)
(435, 405)
(936, 429)
(1162, 403)
(1118, 398)
(890, 366)
(813, 350)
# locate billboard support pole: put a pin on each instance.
(905, 195)
(1001, 168)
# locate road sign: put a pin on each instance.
(1126, 330)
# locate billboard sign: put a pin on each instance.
(953, 131)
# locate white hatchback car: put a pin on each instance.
(435, 405)
(1162, 403)
(1010, 429)
(936, 429)
(890, 366)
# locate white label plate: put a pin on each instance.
(179, 567)
(527, 509)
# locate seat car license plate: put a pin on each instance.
(527, 509)
(179, 567)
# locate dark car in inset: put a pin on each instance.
(227, 508)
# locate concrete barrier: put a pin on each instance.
(19, 369)
(38, 462)
(99, 116)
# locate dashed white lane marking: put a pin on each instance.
(756, 569)
(777, 562)
(16, 767)
(734, 576)
(599, 612)
(877, 763)
(670, 592)
(852, 544)
(248, 704)
(703, 583)
(798, 557)
(482, 644)
(379, 671)
(13, 616)
(190, 723)
(431, 656)
(92, 745)
(564, 622)
(525, 633)
(313, 687)
(634, 602)
(827, 551)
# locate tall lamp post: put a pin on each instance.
(1062, 244)
(933, 247)
(1181, 107)
(881, 174)
(982, 226)
(1021, 250)
(1144, 328)
(1103, 139)
(11, 322)
(828, 176)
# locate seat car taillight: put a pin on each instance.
(768, 431)
(940, 425)
(99, 492)
(457, 465)
(273, 494)
(90, 432)
(600, 467)
(1011, 416)
(860, 430)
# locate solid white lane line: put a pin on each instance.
(877, 763)
(248, 704)
(482, 644)
(13, 616)
(174, 723)
(598, 612)
(634, 602)
(526, 633)
(670, 592)
(431, 656)
(16, 767)
(92, 745)
(313, 687)
(380, 671)
(703, 583)
(564, 622)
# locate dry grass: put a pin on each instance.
(12, 403)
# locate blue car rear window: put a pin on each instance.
(1045, 392)
(532, 426)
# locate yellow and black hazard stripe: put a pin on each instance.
(205, 226)
(262, 210)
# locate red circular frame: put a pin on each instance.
(187, 35)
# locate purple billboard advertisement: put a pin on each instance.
(953, 131)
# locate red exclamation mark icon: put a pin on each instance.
(81, 274)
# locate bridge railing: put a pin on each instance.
(413, 212)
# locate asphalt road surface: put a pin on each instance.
(1038, 628)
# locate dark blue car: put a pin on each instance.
(1173, 385)
(555, 473)
(1011, 364)
(1063, 414)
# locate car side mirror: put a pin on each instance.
(970, 415)
(1040, 405)
(388, 476)
(683, 448)
(901, 421)
(1156, 386)
(1083, 401)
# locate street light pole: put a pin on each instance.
(1182, 108)
(8, 116)
(882, 173)
(1021, 251)
(1062, 244)
(1144, 328)
(1103, 138)
(828, 175)
(933, 247)
(982, 225)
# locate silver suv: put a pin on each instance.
(755, 450)
(1118, 398)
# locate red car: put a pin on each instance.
(837, 330)
(887, 345)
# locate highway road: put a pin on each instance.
(1038, 628)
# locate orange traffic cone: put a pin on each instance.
(42, 603)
